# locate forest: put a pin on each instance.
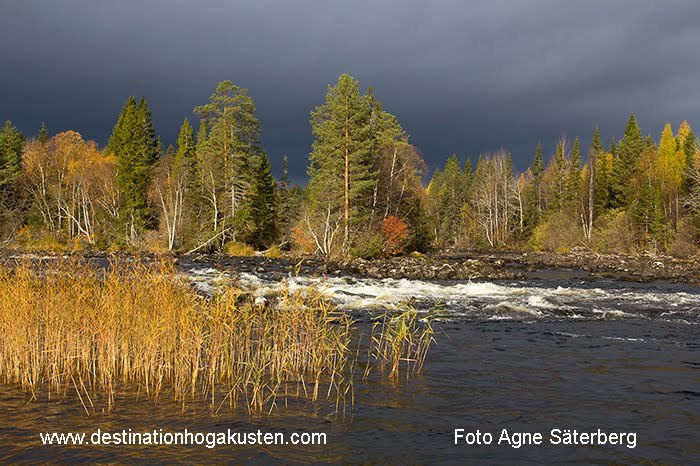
(368, 193)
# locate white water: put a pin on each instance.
(483, 300)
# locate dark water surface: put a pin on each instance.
(522, 356)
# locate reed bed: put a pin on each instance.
(70, 328)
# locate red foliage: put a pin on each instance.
(395, 234)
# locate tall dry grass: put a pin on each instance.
(67, 327)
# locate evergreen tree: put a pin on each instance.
(625, 163)
(574, 181)
(452, 199)
(533, 206)
(136, 147)
(185, 158)
(229, 152)
(602, 174)
(285, 211)
(11, 144)
(558, 186)
(43, 134)
(342, 158)
(690, 149)
(263, 206)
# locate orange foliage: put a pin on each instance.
(302, 241)
(395, 234)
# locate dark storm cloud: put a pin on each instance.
(461, 77)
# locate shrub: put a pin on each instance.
(395, 235)
(274, 253)
(302, 240)
(368, 246)
(614, 232)
(558, 233)
(685, 243)
(234, 248)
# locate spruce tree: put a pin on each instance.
(602, 172)
(11, 144)
(533, 206)
(185, 157)
(625, 163)
(136, 147)
(690, 149)
(285, 208)
(43, 134)
(233, 144)
(452, 200)
(558, 189)
(574, 177)
(263, 205)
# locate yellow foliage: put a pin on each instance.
(234, 248)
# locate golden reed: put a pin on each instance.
(68, 327)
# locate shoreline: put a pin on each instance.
(453, 264)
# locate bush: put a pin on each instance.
(395, 235)
(302, 240)
(685, 243)
(368, 246)
(614, 232)
(234, 248)
(558, 233)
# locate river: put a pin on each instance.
(557, 351)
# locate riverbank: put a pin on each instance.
(456, 264)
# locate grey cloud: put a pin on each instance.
(462, 77)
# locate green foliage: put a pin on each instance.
(534, 201)
(11, 144)
(369, 246)
(615, 233)
(263, 206)
(625, 164)
(136, 148)
(448, 192)
(559, 232)
(43, 134)
(228, 147)
(342, 158)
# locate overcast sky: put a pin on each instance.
(462, 77)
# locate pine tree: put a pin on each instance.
(342, 158)
(625, 163)
(263, 205)
(229, 152)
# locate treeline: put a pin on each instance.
(214, 190)
(636, 195)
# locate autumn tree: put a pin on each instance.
(494, 197)
(72, 186)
